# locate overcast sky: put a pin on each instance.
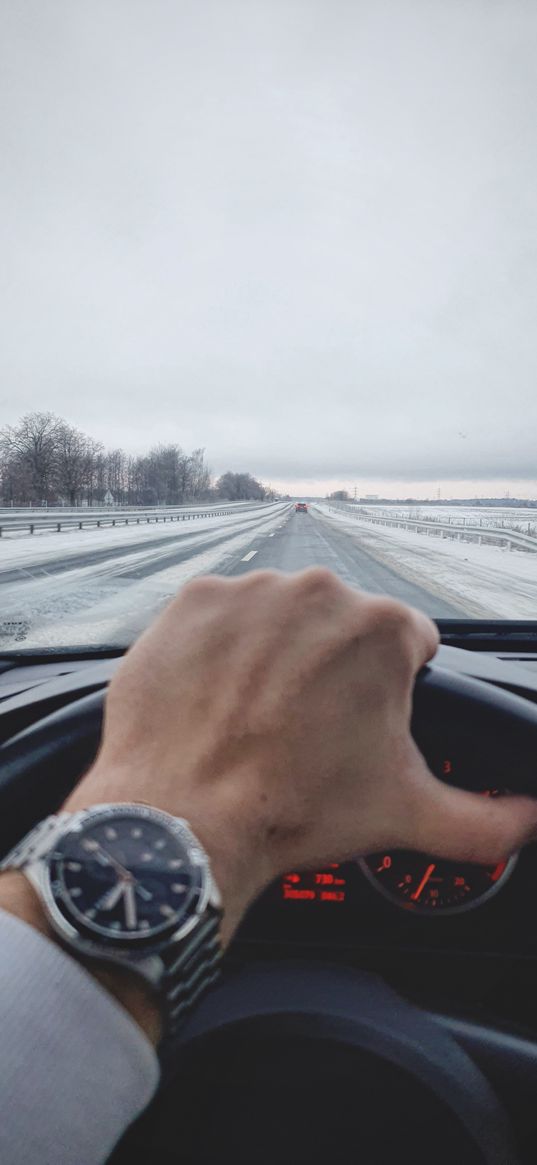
(300, 233)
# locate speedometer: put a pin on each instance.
(431, 885)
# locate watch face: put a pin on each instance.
(125, 875)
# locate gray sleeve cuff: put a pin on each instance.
(75, 1068)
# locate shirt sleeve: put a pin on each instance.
(75, 1068)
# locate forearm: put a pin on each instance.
(227, 832)
(75, 1070)
(59, 1070)
(18, 897)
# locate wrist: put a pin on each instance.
(18, 897)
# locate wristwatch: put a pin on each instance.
(130, 885)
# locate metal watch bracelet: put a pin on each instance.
(190, 967)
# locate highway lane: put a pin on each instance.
(95, 594)
(166, 549)
(312, 540)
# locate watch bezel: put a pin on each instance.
(92, 940)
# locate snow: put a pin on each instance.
(486, 581)
(94, 604)
(34, 549)
(523, 519)
(107, 602)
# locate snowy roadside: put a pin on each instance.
(34, 550)
(486, 581)
(95, 605)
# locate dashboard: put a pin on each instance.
(453, 936)
(477, 958)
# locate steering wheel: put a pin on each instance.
(295, 1061)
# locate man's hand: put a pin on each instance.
(272, 712)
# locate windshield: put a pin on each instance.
(268, 300)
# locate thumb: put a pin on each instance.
(473, 827)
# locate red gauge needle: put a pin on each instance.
(430, 870)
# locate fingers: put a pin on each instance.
(316, 591)
(474, 827)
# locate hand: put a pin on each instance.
(273, 713)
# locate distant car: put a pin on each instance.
(301, 508)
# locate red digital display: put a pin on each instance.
(323, 886)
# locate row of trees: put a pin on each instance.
(46, 461)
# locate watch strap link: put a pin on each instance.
(192, 970)
(36, 844)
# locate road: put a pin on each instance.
(304, 540)
(102, 587)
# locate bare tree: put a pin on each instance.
(76, 457)
(43, 458)
(31, 448)
(237, 487)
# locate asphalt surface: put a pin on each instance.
(179, 547)
(311, 540)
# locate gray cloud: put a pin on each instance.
(302, 234)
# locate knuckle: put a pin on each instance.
(390, 619)
(318, 581)
(258, 579)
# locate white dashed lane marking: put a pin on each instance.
(248, 556)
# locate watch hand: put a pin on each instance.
(111, 898)
(113, 862)
(130, 906)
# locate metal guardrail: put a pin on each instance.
(117, 518)
(494, 535)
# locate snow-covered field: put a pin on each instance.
(103, 586)
(486, 581)
(504, 517)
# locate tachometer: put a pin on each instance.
(431, 885)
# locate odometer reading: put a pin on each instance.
(431, 885)
(327, 885)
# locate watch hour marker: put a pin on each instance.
(136, 832)
(146, 856)
(160, 843)
(91, 912)
(89, 844)
(167, 911)
(144, 925)
(175, 863)
(110, 833)
(178, 888)
(75, 892)
(74, 866)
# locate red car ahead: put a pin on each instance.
(301, 507)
